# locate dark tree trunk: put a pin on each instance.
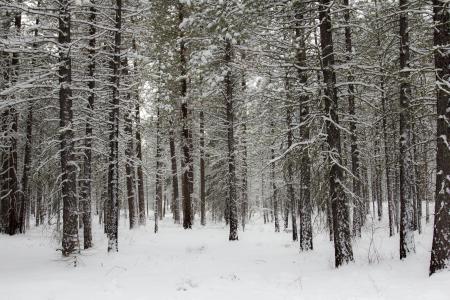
(440, 252)
(158, 176)
(186, 135)
(406, 195)
(244, 168)
(231, 176)
(305, 205)
(129, 169)
(26, 199)
(140, 173)
(173, 160)
(5, 62)
(357, 200)
(339, 202)
(202, 170)
(289, 171)
(274, 185)
(129, 153)
(68, 170)
(113, 162)
(86, 188)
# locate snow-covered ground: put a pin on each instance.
(202, 264)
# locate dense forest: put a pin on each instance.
(307, 116)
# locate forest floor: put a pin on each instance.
(202, 264)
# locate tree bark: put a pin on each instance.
(231, 176)
(86, 188)
(202, 170)
(305, 205)
(68, 170)
(173, 160)
(339, 202)
(440, 252)
(356, 180)
(186, 135)
(140, 174)
(406, 196)
(113, 162)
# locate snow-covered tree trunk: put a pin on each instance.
(407, 245)
(357, 200)
(289, 170)
(186, 135)
(68, 168)
(139, 171)
(305, 206)
(174, 169)
(113, 161)
(339, 202)
(86, 184)
(202, 170)
(231, 176)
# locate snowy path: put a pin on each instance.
(202, 264)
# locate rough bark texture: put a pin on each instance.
(130, 169)
(244, 187)
(186, 135)
(440, 252)
(274, 197)
(68, 170)
(357, 205)
(405, 159)
(231, 176)
(86, 189)
(339, 202)
(289, 175)
(158, 183)
(113, 162)
(202, 170)
(173, 161)
(140, 173)
(305, 206)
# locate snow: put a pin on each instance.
(202, 264)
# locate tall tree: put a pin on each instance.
(186, 135)
(113, 161)
(406, 194)
(86, 184)
(440, 252)
(231, 182)
(339, 203)
(202, 170)
(68, 168)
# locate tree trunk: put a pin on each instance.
(356, 180)
(305, 205)
(130, 175)
(406, 196)
(289, 171)
(244, 169)
(113, 163)
(231, 180)
(339, 202)
(173, 160)
(68, 170)
(274, 186)
(440, 252)
(158, 176)
(186, 135)
(140, 174)
(26, 199)
(202, 170)
(86, 189)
